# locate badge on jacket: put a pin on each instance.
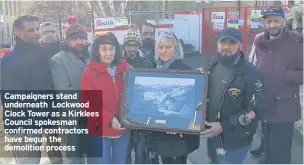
(246, 119)
(234, 92)
(258, 85)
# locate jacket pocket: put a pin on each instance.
(288, 105)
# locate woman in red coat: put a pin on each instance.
(101, 85)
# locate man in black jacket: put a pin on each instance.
(24, 70)
(235, 105)
(139, 140)
(148, 41)
(49, 39)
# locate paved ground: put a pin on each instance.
(197, 157)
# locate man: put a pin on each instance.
(235, 105)
(49, 39)
(260, 149)
(136, 58)
(67, 67)
(50, 43)
(132, 42)
(25, 69)
(279, 55)
(148, 37)
(295, 17)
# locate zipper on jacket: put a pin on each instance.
(115, 87)
(219, 112)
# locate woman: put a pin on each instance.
(101, 85)
(173, 148)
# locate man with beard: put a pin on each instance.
(136, 58)
(148, 39)
(235, 94)
(25, 70)
(132, 42)
(49, 39)
(67, 67)
(279, 55)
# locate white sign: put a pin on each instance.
(122, 21)
(218, 26)
(218, 17)
(105, 23)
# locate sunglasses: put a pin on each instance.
(170, 34)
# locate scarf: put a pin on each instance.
(161, 65)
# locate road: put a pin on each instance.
(197, 157)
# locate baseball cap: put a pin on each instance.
(273, 11)
(230, 33)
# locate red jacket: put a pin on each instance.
(106, 100)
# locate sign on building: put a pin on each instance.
(122, 21)
(105, 23)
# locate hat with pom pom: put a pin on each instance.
(132, 34)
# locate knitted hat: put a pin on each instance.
(132, 34)
(75, 30)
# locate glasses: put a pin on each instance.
(135, 46)
(170, 34)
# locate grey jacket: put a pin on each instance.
(66, 70)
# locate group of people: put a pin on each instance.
(239, 93)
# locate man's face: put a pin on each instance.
(132, 49)
(274, 24)
(147, 33)
(77, 43)
(227, 47)
(48, 34)
(29, 33)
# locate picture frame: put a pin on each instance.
(164, 100)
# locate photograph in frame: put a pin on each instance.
(168, 101)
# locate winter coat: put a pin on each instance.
(25, 69)
(96, 78)
(168, 144)
(281, 62)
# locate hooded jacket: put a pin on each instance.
(281, 61)
(104, 94)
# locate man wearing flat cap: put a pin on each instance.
(235, 101)
(278, 55)
(67, 67)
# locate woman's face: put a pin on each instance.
(165, 50)
(107, 53)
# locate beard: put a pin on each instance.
(224, 58)
(274, 31)
(148, 44)
(78, 49)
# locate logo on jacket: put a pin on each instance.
(246, 119)
(234, 92)
(258, 85)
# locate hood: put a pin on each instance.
(121, 66)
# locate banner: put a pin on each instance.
(218, 17)
(122, 21)
(105, 23)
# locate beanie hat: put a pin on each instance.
(132, 34)
(75, 30)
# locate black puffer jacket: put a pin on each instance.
(175, 145)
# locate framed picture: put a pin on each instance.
(164, 100)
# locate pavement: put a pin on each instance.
(199, 156)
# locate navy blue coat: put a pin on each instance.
(25, 69)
